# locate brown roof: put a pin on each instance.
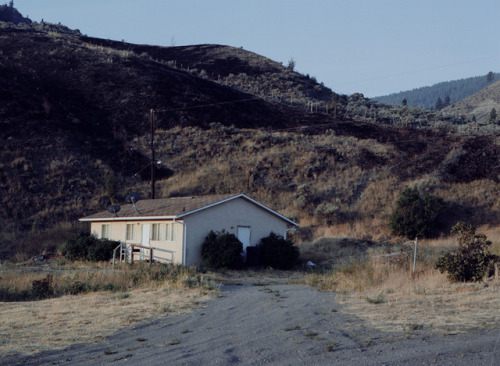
(174, 207)
(162, 207)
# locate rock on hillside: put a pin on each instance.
(478, 105)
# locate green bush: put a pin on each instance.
(76, 248)
(222, 250)
(87, 247)
(472, 260)
(415, 216)
(277, 252)
(101, 250)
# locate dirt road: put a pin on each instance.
(273, 324)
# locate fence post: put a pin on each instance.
(151, 256)
(415, 255)
(132, 254)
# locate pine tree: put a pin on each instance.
(490, 77)
(439, 104)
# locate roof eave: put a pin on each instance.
(128, 218)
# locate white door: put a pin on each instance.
(244, 237)
(146, 228)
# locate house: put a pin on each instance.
(176, 227)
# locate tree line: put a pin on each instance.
(442, 94)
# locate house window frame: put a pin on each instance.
(130, 232)
(156, 232)
(170, 231)
(105, 231)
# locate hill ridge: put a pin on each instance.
(74, 118)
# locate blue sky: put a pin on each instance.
(374, 47)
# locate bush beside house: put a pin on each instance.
(222, 250)
(87, 247)
(277, 252)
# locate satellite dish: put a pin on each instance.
(114, 209)
(132, 197)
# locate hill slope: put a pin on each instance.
(479, 105)
(426, 97)
(74, 118)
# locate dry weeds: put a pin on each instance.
(31, 327)
(429, 302)
(389, 297)
(139, 292)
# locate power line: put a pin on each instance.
(416, 71)
(208, 105)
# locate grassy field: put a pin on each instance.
(91, 301)
(137, 293)
(386, 294)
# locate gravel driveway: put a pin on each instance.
(273, 324)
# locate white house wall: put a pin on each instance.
(171, 250)
(228, 216)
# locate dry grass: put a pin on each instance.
(388, 296)
(31, 327)
(139, 293)
(429, 301)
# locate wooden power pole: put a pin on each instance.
(151, 118)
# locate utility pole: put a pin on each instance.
(151, 118)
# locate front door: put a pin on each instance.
(146, 228)
(244, 237)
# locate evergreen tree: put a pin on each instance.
(490, 77)
(447, 101)
(439, 104)
(416, 216)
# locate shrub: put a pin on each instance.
(78, 287)
(472, 260)
(277, 252)
(415, 216)
(101, 250)
(42, 289)
(328, 212)
(222, 250)
(87, 247)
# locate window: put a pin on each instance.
(155, 232)
(170, 232)
(105, 231)
(130, 232)
(163, 232)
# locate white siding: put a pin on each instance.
(228, 216)
(118, 231)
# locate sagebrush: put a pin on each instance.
(472, 260)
